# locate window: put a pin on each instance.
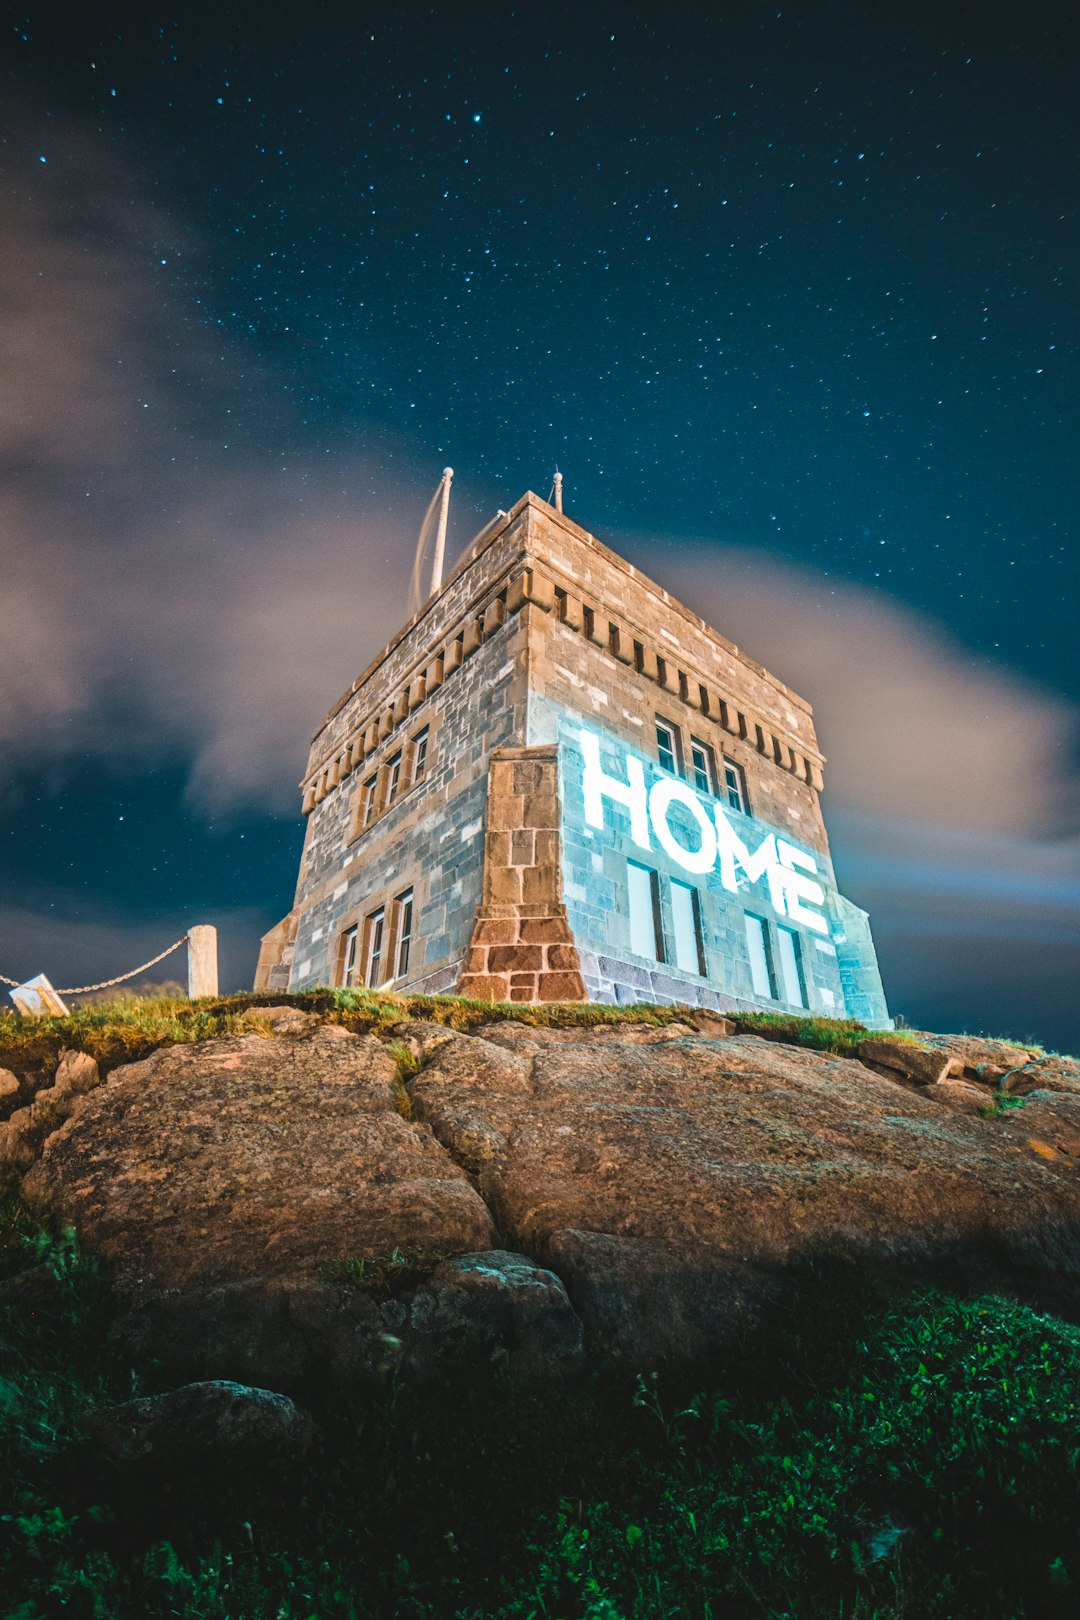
(735, 787)
(375, 929)
(404, 905)
(667, 746)
(701, 758)
(791, 971)
(761, 965)
(419, 757)
(686, 915)
(560, 604)
(646, 934)
(367, 800)
(348, 956)
(393, 780)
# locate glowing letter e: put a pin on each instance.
(598, 786)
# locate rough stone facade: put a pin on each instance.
(447, 800)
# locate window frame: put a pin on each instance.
(348, 955)
(743, 805)
(393, 770)
(675, 750)
(659, 954)
(369, 793)
(749, 918)
(421, 746)
(696, 928)
(798, 964)
(708, 755)
(374, 945)
(404, 914)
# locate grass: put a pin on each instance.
(125, 1030)
(840, 1036)
(130, 1028)
(887, 1459)
(1001, 1104)
(387, 1275)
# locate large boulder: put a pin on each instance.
(667, 1190)
(218, 1423)
(494, 1307)
(251, 1157)
(679, 1187)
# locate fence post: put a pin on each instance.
(202, 974)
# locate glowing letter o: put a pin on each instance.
(666, 793)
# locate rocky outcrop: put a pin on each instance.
(25, 1131)
(9, 1087)
(254, 1156)
(662, 1188)
(215, 1423)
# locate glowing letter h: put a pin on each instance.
(631, 794)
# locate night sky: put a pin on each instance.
(788, 292)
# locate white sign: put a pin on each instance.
(793, 891)
(37, 999)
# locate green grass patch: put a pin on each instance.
(387, 1275)
(128, 1029)
(838, 1035)
(125, 1030)
(1001, 1104)
(884, 1459)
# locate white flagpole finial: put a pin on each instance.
(440, 537)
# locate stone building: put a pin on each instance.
(558, 783)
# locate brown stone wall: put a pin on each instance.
(522, 948)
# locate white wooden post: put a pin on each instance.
(202, 974)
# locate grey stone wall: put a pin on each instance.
(539, 627)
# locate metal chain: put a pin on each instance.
(106, 984)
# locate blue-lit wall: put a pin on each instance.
(839, 967)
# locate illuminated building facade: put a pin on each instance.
(558, 783)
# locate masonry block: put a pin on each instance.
(494, 617)
(451, 657)
(572, 612)
(560, 987)
(648, 663)
(515, 958)
(503, 883)
(522, 846)
(541, 590)
(495, 931)
(528, 776)
(539, 884)
(482, 986)
(474, 635)
(545, 930)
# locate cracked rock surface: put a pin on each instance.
(661, 1187)
(253, 1156)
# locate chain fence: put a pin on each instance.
(107, 984)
